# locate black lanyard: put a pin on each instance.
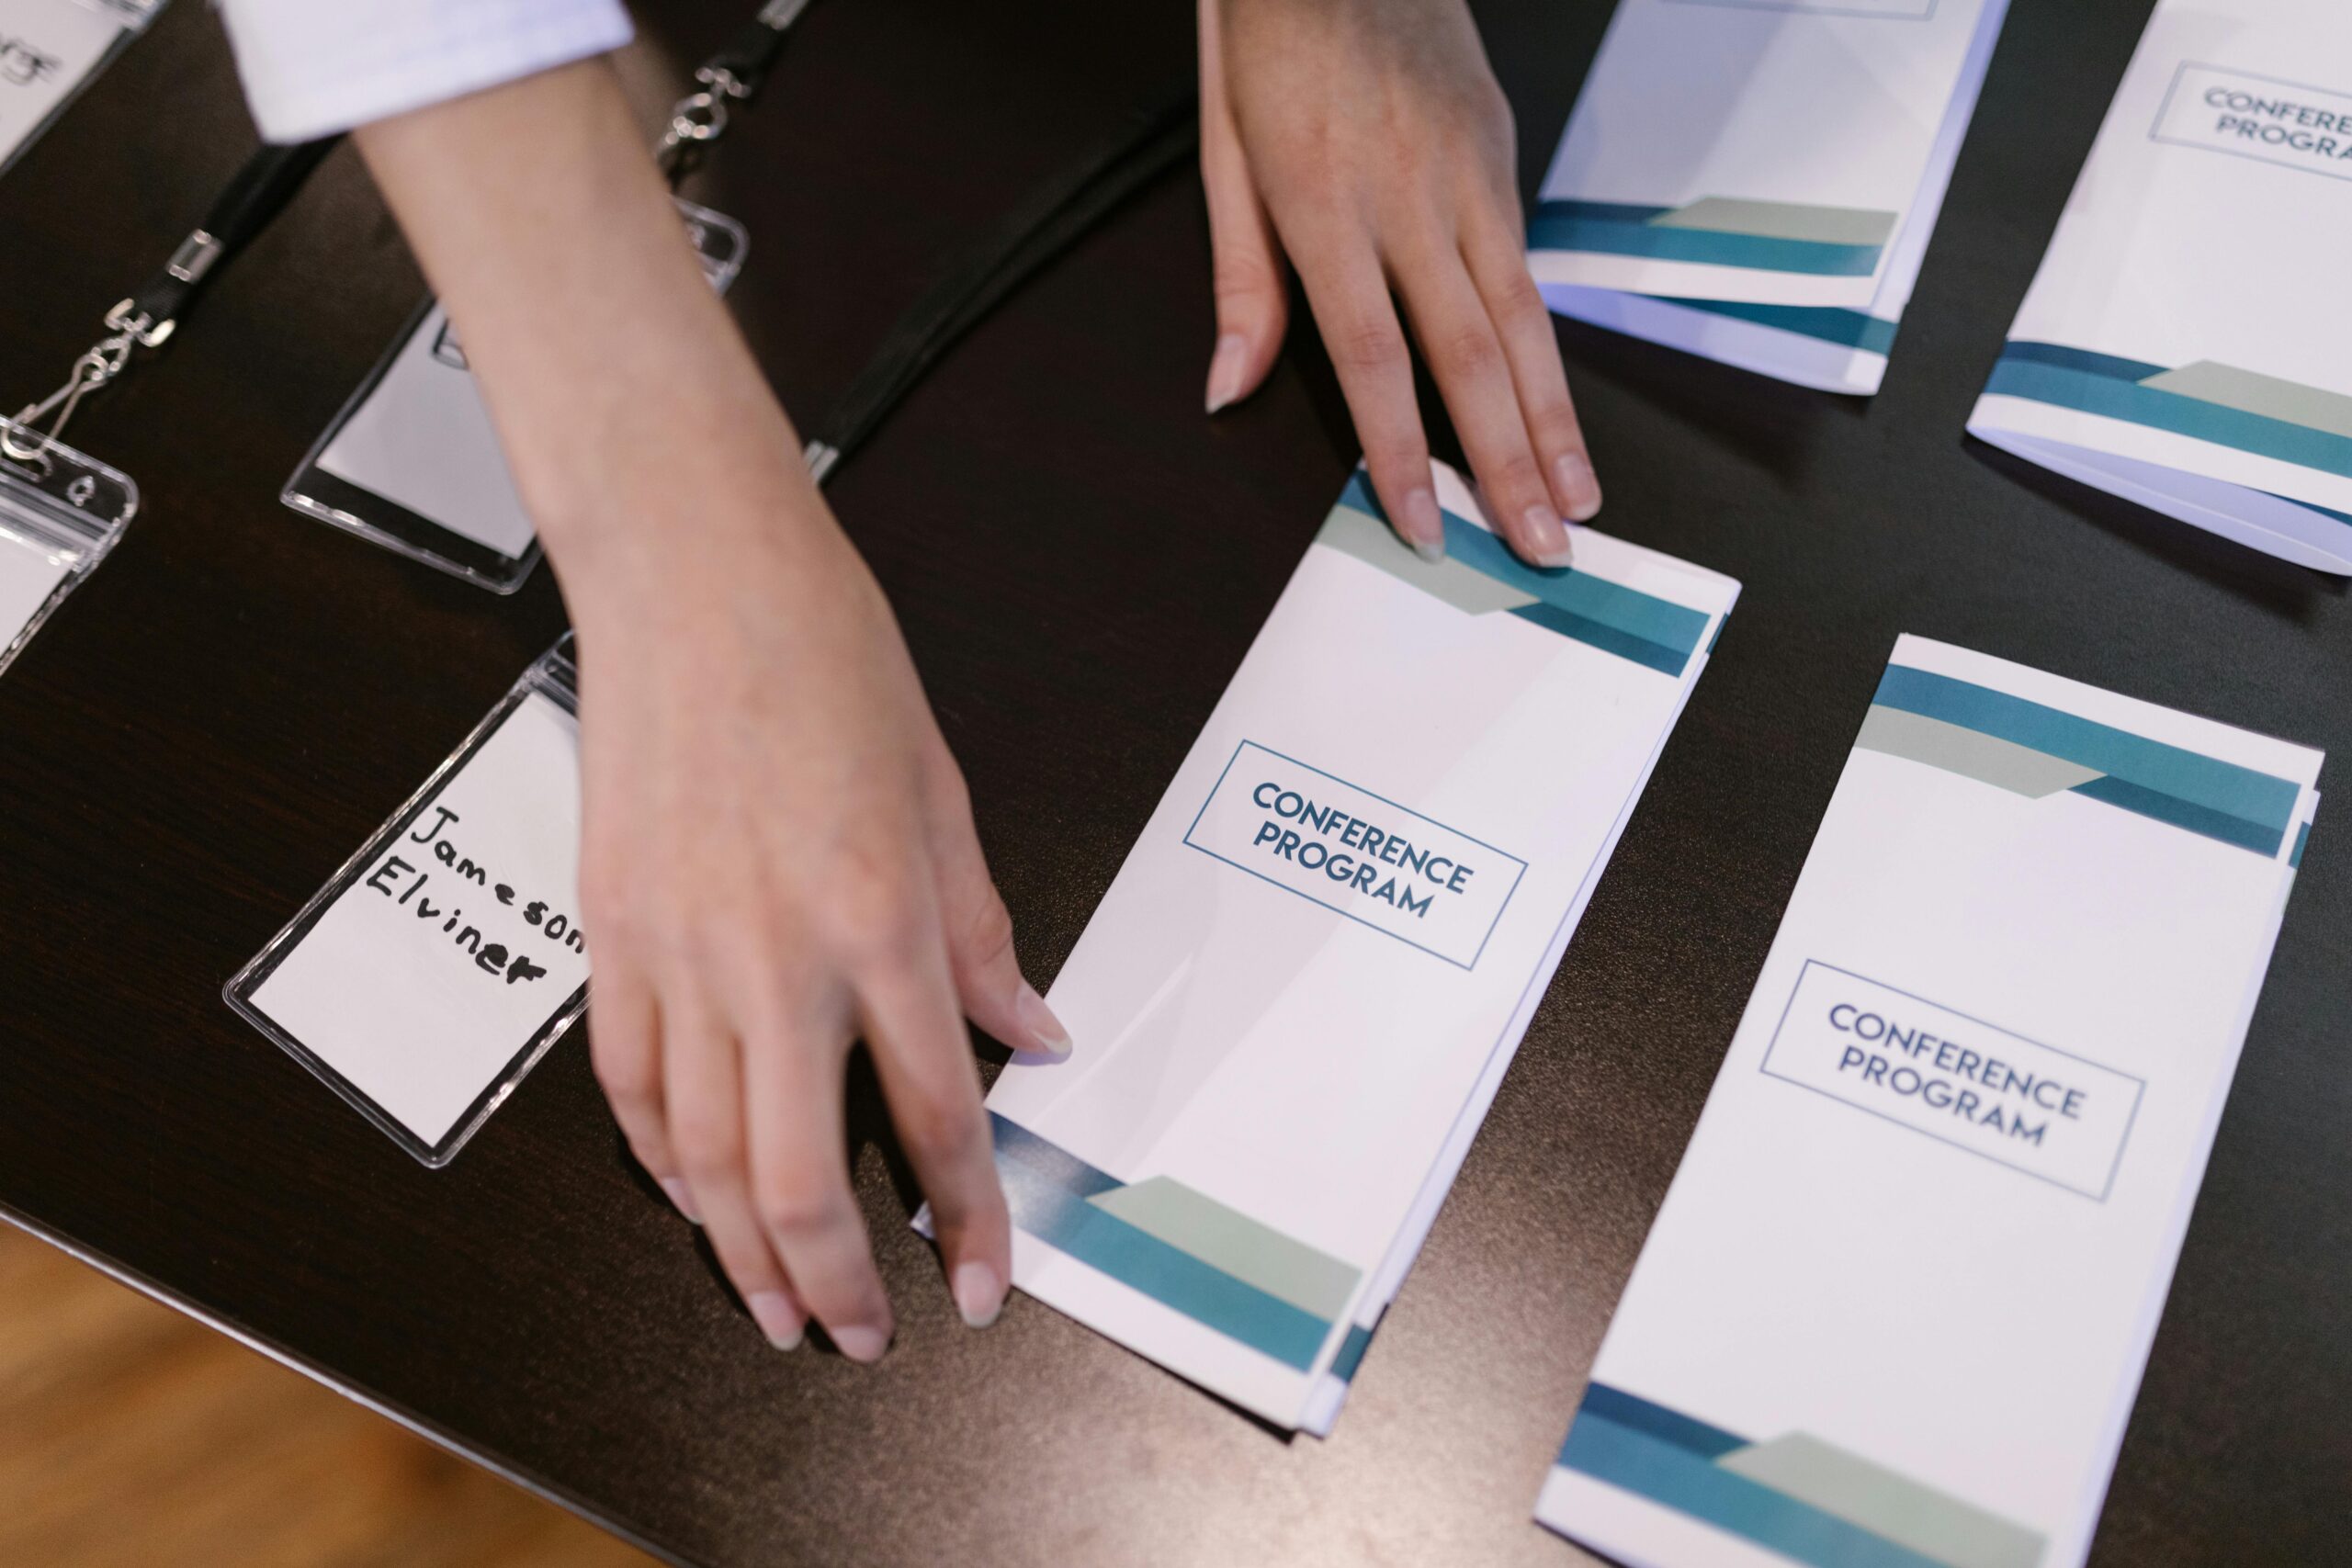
(731, 77)
(255, 195)
(1047, 222)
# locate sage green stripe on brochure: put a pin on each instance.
(1479, 576)
(1805, 1499)
(2168, 783)
(1970, 753)
(1225, 1238)
(1183, 1249)
(1782, 221)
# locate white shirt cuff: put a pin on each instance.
(314, 67)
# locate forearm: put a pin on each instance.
(610, 369)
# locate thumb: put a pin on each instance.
(978, 931)
(1252, 298)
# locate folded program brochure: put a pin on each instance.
(1334, 921)
(1757, 182)
(2185, 345)
(1895, 1306)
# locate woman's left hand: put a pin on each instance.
(1367, 143)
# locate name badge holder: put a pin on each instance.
(51, 51)
(411, 461)
(61, 511)
(309, 989)
(60, 514)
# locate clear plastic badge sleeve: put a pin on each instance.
(50, 50)
(412, 462)
(60, 514)
(440, 964)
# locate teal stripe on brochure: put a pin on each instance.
(2181, 813)
(2059, 355)
(1351, 1349)
(2257, 800)
(2040, 379)
(1608, 639)
(1849, 329)
(1666, 1473)
(1610, 228)
(1624, 621)
(2303, 837)
(1659, 1421)
(1045, 1188)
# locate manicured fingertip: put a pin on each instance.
(1047, 1035)
(861, 1342)
(1546, 541)
(1228, 366)
(1424, 523)
(979, 1294)
(1579, 491)
(778, 1318)
(683, 1197)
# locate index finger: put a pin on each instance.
(1349, 294)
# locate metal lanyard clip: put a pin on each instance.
(101, 363)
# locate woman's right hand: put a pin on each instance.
(778, 857)
(779, 860)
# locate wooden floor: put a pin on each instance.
(131, 1434)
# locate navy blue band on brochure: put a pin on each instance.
(1056, 1197)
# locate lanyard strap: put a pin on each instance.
(255, 195)
(734, 75)
(1047, 222)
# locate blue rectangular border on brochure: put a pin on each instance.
(1383, 800)
(2121, 1143)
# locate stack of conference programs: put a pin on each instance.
(1757, 181)
(1301, 991)
(2185, 345)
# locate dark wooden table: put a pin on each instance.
(1080, 559)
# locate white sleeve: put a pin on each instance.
(312, 67)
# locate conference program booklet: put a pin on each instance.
(2185, 345)
(1757, 182)
(1334, 921)
(1897, 1301)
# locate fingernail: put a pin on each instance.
(979, 1294)
(1577, 484)
(1225, 370)
(683, 1196)
(1039, 1021)
(777, 1319)
(1425, 524)
(861, 1342)
(1548, 542)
